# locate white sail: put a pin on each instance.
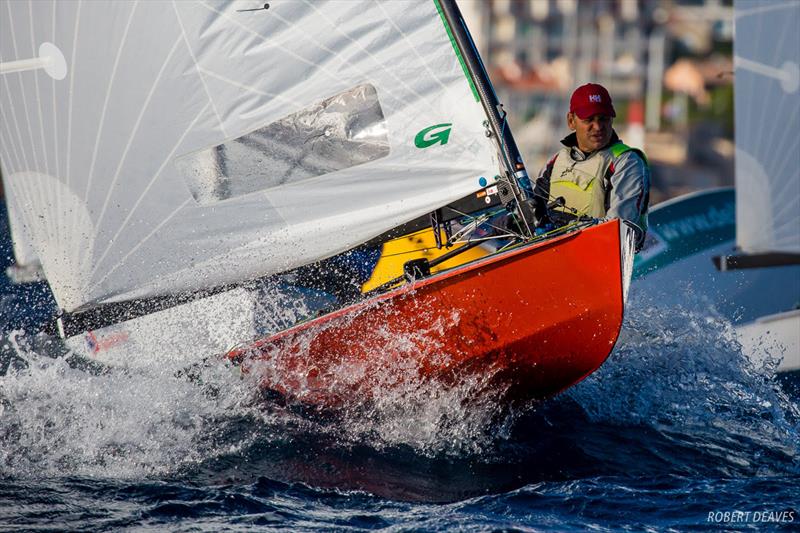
(169, 146)
(767, 104)
(24, 253)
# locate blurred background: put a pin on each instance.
(667, 64)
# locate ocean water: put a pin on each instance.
(677, 431)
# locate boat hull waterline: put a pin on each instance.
(529, 322)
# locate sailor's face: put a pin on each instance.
(593, 133)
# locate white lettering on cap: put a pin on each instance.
(595, 98)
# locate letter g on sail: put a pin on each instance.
(439, 133)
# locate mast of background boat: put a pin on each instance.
(515, 188)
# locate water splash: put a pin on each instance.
(683, 373)
(676, 372)
(58, 418)
(395, 404)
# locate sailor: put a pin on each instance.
(595, 174)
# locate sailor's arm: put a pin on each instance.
(630, 190)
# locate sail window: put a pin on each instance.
(343, 131)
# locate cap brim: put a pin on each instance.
(588, 112)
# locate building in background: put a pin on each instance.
(667, 63)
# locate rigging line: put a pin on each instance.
(135, 248)
(760, 145)
(26, 197)
(16, 126)
(487, 238)
(505, 247)
(784, 96)
(12, 200)
(480, 239)
(409, 252)
(5, 147)
(9, 138)
(135, 130)
(753, 79)
(509, 166)
(197, 67)
(50, 222)
(22, 91)
(520, 236)
(248, 88)
(762, 9)
(12, 186)
(776, 75)
(411, 45)
(371, 56)
(792, 141)
(74, 228)
(498, 228)
(792, 185)
(334, 76)
(26, 229)
(473, 217)
(38, 93)
(512, 170)
(13, 190)
(146, 190)
(72, 64)
(107, 98)
(566, 228)
(55, 105)
(533, 183)
(56, 148)
(465, 231)
(24, 100)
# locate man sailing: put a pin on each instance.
(595, 173)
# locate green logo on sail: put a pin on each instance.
(440, 133)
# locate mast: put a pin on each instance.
(516, 190)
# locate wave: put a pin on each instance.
(677, 397)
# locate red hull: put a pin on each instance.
(537, 319)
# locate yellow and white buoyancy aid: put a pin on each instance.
(582, 184)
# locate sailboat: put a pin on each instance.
(767, 183)
(168, 157)
(738, 251)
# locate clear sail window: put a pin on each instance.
(343, 131)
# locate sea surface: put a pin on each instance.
(676, 432)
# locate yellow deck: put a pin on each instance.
(414, 246)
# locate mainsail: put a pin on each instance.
(174, 146)
(767, 102)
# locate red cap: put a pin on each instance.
(591, 99)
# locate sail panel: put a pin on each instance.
(341, 132)
(154, 90)
(767, 109)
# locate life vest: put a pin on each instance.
(584, 184)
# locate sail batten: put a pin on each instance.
(193, 145)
